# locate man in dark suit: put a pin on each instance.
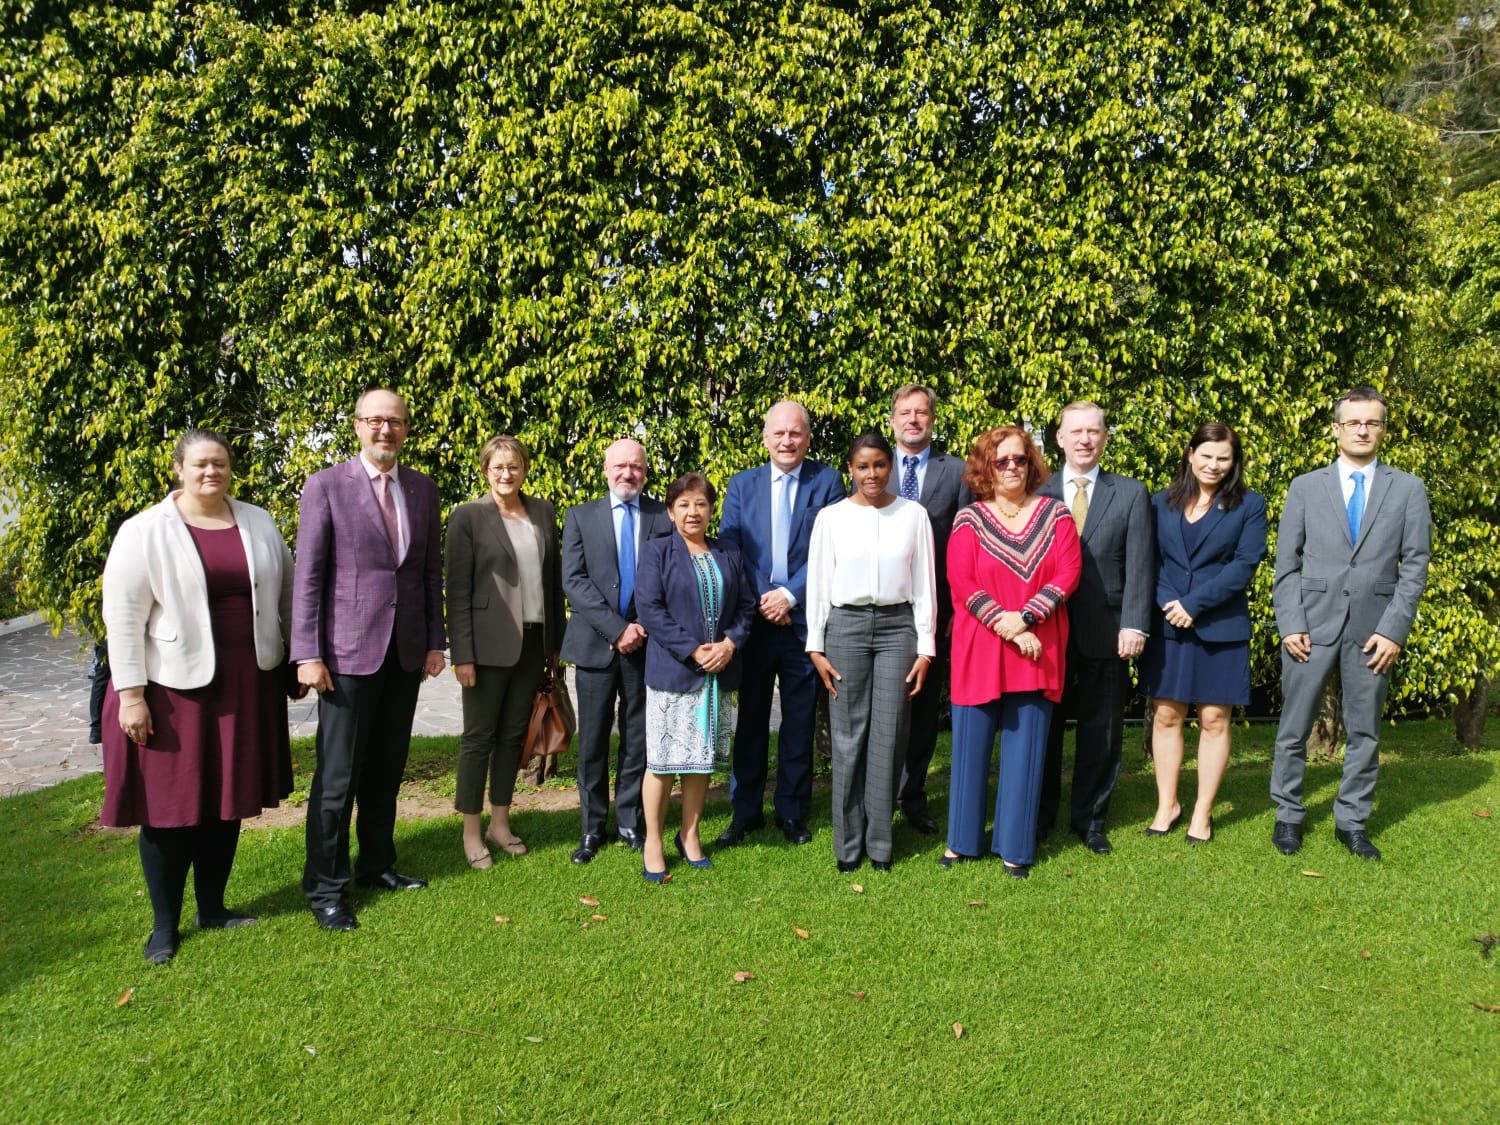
(936, 481)
(607, 645)
(367, 628)
(1108, 617)
(1351, 563)
(768, 516)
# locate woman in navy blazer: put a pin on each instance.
(1210, 537)
(696, 602)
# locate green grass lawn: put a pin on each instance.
(1161, 983)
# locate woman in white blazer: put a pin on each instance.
(197, 602)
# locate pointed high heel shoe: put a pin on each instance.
(1167, 831)
(706, 861)
(1194, 841)
(662, 876)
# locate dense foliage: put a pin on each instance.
(577, 219)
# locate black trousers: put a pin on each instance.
(600, 690)
(364, 733)
(1095, 693)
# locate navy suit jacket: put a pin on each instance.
(1212, 581)
(746, 526)
(667, 602)
(591, 577)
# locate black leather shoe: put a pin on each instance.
(1018, 870)
(734, 835)
(335, 917)
(634, 839)
(162, 945)
(391, 880)
(921, 821)
(1357, 843)
(848, 865)
(1096, 842)
(795, 831)
(955, 860)
(587, 850)
(880, 864)
(1287, 837)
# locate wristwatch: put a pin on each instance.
(1029, 617)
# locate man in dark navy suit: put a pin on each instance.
(768, 515)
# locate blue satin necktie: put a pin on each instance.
(627, 558)
(1356, 509)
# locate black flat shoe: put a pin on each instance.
(880, 864)
(1096, 841)
(954, 860)
(734, 835)
(1018, 871)
(1287, 837)
(391, 880)
(335, 917)
(632, 839)
(162, 945)
(921, 821)
(846, 866)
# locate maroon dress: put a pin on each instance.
(218, 752)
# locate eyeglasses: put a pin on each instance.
(1374, 427)
(1014, 461)
(376, 422)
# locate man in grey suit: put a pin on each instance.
(936, 481)
(607, 645)
(1351, 561)
(1108, 616)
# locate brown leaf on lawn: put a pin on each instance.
(857, 888)
(501, 919)
(533, 1038)
(857, 995)
(1483, 814)
(801, 933)
(598, 917)
(958, 1031)
(124, 998)
(1486, 1007)
(741, 977)
(588, 900)
(1364, 954)
(976, 902)
(1312, 874)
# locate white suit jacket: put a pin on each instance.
(156, 598)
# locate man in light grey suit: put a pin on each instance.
(1351, 561)
(607, 645)
(1108, 616)
(936, 481)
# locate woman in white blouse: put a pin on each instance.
(871, 593)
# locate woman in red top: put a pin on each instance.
(1013, 559)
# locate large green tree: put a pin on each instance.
(578, 219)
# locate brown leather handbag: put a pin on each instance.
(553, 720)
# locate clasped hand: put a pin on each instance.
(1176, 616)
(714, 657)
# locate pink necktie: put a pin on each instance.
(388, 513)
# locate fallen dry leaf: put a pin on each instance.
(976, 902)
(533, 1038)
(1482, 813)
(598, 917)
(124, 998)
(741, 977)
(857, 888)
(958, 1031)
(588, 900)
(1312, 874)
(1364, 954)
(501, 919)
(857, 995)
(1487, 1007)
(310, 1049)
(801, 933)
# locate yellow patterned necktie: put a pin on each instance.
(1080, 501)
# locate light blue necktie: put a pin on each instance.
(781, 528)
(909, 478)
(1356, 505)
(627, 558)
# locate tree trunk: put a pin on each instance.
(1470, 714)
(1327, 735)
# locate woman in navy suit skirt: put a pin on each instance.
(1210, 537)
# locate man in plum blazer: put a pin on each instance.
(768, 517)
(1351, 563)
(367, 627)
(936, 481)
(602, 541)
